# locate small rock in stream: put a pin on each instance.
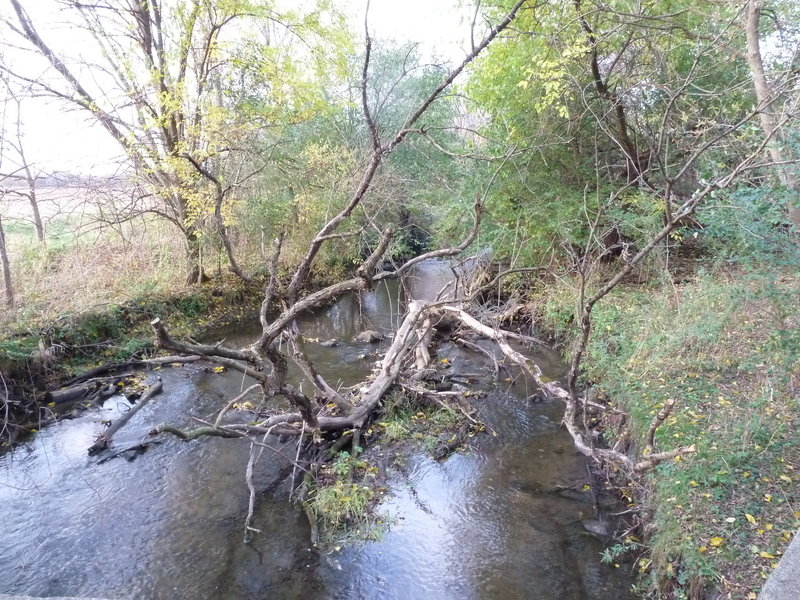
(368, 336)
(599, 528)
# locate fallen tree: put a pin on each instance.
(266, 362)
(104, 439)
(405, 363)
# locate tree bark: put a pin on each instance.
(194, 256)
(6, 268)
(766, 97)
(29, 176)
(623, 138)
(37, 217)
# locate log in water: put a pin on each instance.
(501, 521)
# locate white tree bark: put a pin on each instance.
(766, 97)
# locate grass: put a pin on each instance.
(726, 348)
(346, 492)
(92, 289)
(408, 421)
(342, 499)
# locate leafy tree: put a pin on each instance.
(639, 101)
(183, 86)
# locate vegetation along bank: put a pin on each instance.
(628, 169)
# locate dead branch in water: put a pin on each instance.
(555, 390)
(104, 439)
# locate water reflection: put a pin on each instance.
(487, 524)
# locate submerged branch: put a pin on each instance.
(102, 441)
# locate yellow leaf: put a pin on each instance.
(765, 555)
(750, 518)
(716, 541)
(703, 549)
(787, 479)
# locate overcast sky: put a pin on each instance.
(60, 138)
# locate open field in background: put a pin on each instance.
(84, 263)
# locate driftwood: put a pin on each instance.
(102, 441)
(573, 408)
(267, 362)
(129, 364)
(130, 451)
(93, 391)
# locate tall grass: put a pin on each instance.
(726, 348)
(80, 269)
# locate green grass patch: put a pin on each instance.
(342, 497)
(726, 349)
(346, 491)
(409, 420)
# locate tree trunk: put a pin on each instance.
(30, 179)
(770, 124)
(634, 172)
(37, 217)
(6, 268)
(194, 257)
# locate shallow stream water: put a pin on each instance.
(501, 521)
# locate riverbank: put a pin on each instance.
(724, 347)
(508, 518)
(38, 353)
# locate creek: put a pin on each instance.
(503, 520)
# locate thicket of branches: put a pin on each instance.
(589, 134)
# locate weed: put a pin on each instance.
(341, 504)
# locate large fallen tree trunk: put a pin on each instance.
(266, 362)
(329, 410)
(362, 403)
(94, 390)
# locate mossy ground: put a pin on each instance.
(725, 347)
